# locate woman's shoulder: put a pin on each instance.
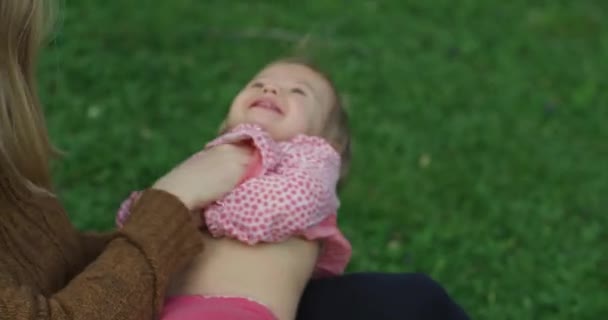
(37, 235)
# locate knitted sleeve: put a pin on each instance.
(93, 243)
(128, 279)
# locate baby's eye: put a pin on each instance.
(298, 91)
(257, 85)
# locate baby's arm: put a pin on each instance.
(276, 206)
(266, 154)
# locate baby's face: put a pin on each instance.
(285, 99)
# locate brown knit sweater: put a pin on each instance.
(48, 270)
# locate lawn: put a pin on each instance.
(481, 145)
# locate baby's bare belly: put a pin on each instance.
(273, 274)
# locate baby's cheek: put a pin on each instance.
(304, 121)
(238, 104)
(235, 116)
(287, 130)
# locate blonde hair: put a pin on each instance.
(25, 147)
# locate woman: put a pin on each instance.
(48, 270)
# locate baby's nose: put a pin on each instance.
(270, 89)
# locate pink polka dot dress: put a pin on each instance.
(288, 191)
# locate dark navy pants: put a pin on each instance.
(378, 296)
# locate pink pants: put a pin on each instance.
(193, 307)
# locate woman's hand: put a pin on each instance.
(207, 175)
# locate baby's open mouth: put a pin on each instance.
(267, 104)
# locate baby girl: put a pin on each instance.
(277, 228)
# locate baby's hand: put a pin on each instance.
(125, 208)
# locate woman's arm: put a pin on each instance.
(129, 278)
(93, 243)
(127, 281)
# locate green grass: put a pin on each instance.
(481, 153)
